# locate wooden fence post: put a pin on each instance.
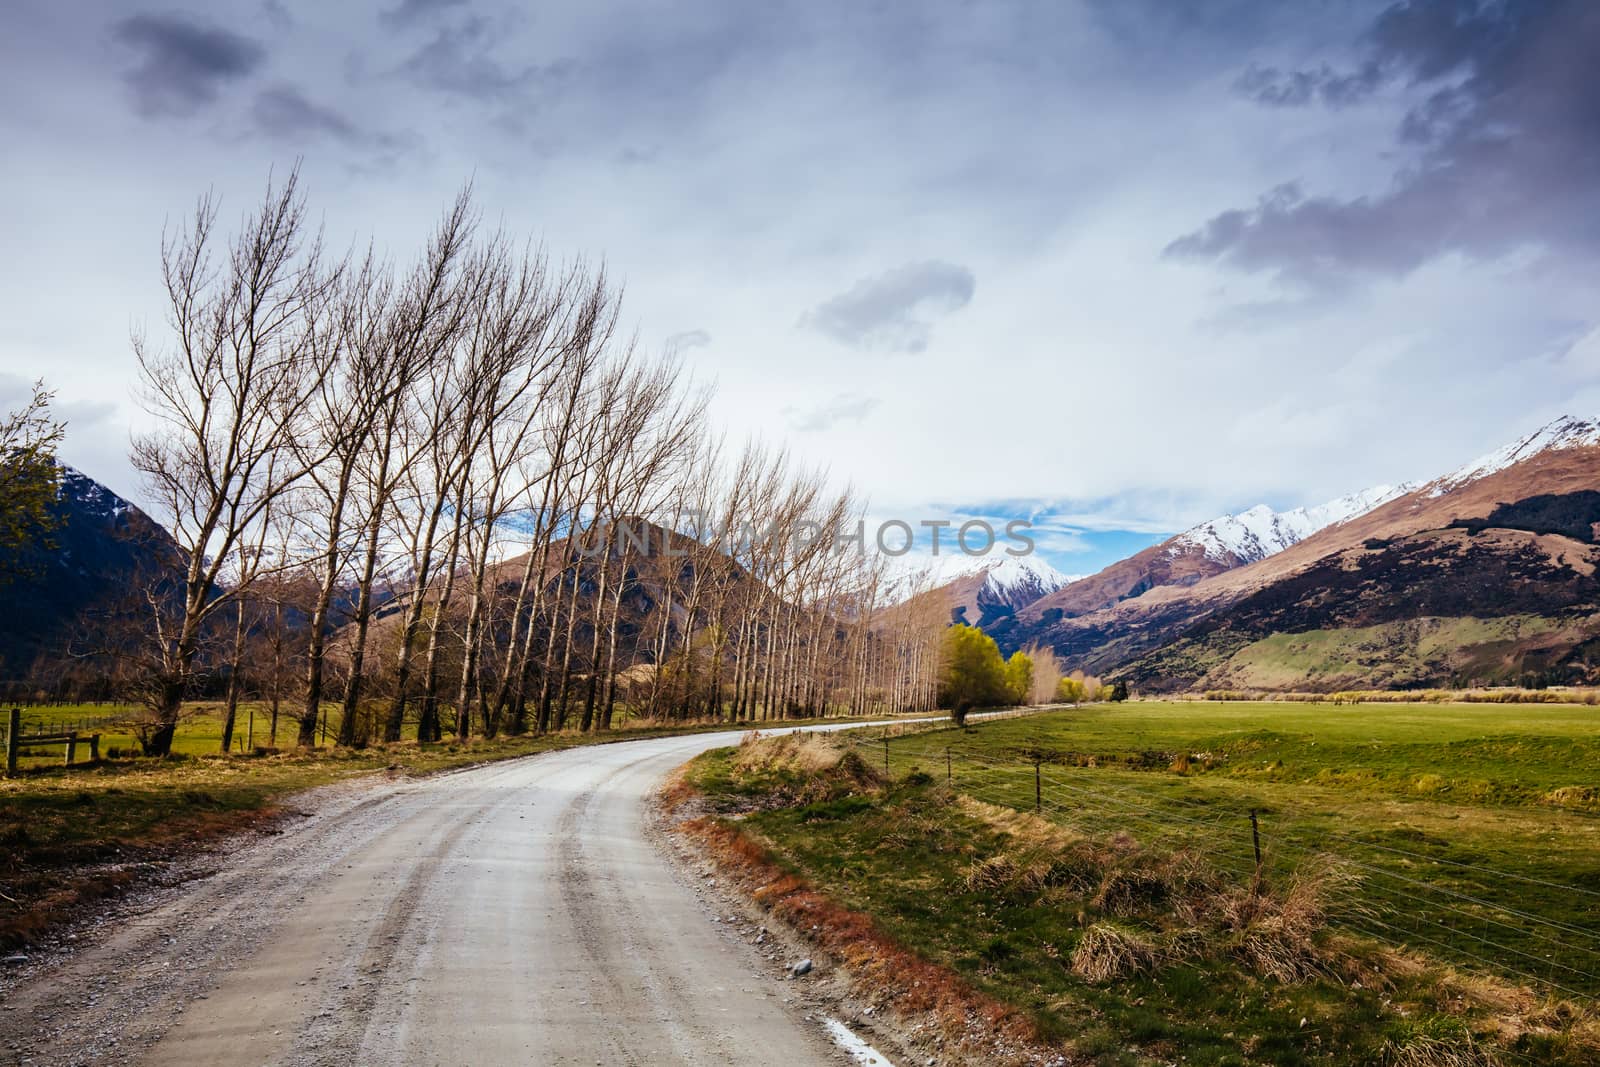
(1255, 839)
(11, 742)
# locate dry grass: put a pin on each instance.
(1278, 935)
(1495, 695)
(1107, 952)
(1427, 1050)
(794, 753)
(1008, 875)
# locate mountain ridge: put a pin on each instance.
(1558, 460)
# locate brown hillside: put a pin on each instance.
(1107, 636)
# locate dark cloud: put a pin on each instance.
(459, 60)
(845, 407)
(896, 309)
(410, 11)
(183, 64)
(1501, 145)
(284, 112)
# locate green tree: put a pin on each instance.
(1070, 691)
(29, 481)
(1119, 692)
(1019, 677)
(972, 673)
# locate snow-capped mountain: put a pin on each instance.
(1505, 537)
(1260, 532)
(1565, 432)
(983, 588)
(1002, 573)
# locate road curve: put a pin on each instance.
(512, 913)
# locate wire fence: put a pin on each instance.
(35, 725)
(1475, 916)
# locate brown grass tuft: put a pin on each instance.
(1107, 952)
(1425, 1050)
(1276, 934)
(1006, 875)
(1128, 891)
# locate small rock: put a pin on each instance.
(801, 968)
(16, 959)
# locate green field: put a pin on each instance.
(1465, 838)
(199, 732)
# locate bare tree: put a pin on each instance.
(229, 393)
(405, 335)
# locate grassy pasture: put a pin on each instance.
(199, 734)
(1474, 829)
(1457, 844)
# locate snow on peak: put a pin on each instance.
(90, 494)
(1004, 576)
(1260, 532)
(1000, 570)
(1565, 432)
(1007, 574)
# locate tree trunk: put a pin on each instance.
(233, 680)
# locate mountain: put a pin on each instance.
(1198, 553)
(101, 544)
(1261, 532)
(1485, 573)
(1562, 434)
(981, 590)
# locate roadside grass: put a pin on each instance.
(69, 837)
(1475, 828)
(1442, 914)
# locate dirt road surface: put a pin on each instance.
(516, 913)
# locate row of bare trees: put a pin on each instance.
(450, 493)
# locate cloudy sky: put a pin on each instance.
(1117, 265)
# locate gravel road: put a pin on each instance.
(517, 913)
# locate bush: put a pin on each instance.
(973, 674)
(1070, 691)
